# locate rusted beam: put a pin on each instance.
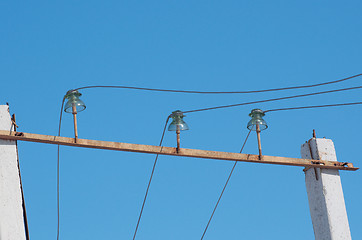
(183, 152)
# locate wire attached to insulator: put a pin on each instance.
(58, 165)
(272, 99)
(222, 92)
(150, 180)
(316, 106)
(223, 190)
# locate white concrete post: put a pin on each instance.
(325, 194)
(12, 225)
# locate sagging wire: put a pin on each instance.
(225, 92)
(58, 174)
(315, 106)
(272, 99)
(204, 109)
(150, 180)
(58, 165)
(223, 190)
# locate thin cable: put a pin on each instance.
(149, 182)
(273, 99)
(316, 106)
(231, 92)
(58, 154)
(222, 192)
(26, 225)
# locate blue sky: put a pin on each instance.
(49, 47)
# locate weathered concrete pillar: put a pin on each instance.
(325, 194)
(12, 225)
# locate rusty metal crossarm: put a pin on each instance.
(183, 152)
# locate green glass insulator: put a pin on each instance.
(257, 118)
(72, 97)
(177, 122)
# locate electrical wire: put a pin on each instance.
(272, 99)
(26, 225)
(58, 175)
(58, 178)
(316, 106)
(223, 190)
(150, 180)
(205, 109)
(216, 92)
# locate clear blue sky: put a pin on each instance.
(49, 47)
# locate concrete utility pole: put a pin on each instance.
(325, 194)
(12, 226)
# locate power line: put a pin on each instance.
(149, 182)
(221, 92)
(222, 192)
(316, 106)
(205, 109)
(58, 164)
(58, 174)
(272, 99)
